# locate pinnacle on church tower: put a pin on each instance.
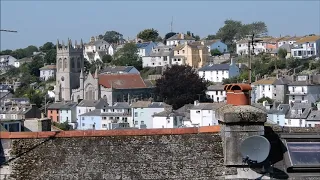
(81, 74)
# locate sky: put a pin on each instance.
(38, 22)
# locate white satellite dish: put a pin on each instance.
(255, 149)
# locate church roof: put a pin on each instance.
(121, 81)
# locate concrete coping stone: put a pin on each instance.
(240, 114)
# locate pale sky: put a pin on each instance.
(38, 22)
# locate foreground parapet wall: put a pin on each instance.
(184, 153)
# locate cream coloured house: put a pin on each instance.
(193, 54)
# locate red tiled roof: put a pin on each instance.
(121, 81)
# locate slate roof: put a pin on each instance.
(214, 67)
(265, 81)
(4, 87)
(119, 105)
(48, 67)
(142, 45)
(96, 112)
(90, 55)
(216, 87)
(25, 60)
(62, 105)
(17, 109)
(208, 106)
(282, 81)
(314, 116)
(281, 109)
(294, 114)
(98, 42)
(167, 113)
(162, 51)
(149, 104)
(93, 103)
(122, 81)
(116, 69)
(179, 36)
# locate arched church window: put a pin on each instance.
(60, 64)
(65, 63)
(79, 63)
(73, 63)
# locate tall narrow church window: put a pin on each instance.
(65, 63)
(79, 63)
(73, 63)
(60, 64)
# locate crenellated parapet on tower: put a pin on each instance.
(69, 47)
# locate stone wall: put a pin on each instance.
(186, 153)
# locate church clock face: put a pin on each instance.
(62, 78)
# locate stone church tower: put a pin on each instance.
(70, 63)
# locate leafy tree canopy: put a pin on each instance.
(148, 35)
(51, 56)
(180, 85)
(215, 52)
(211, 37)
(107, 58)
(47, 47)
(196, 37)
(169, 35)
(112, 37)
(127, 56)
(269, 100)
(282, 53)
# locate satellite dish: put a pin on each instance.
(255, 149)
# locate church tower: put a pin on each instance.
(70, 63)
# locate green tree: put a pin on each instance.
(211, 37)
(282, 53)
(148, 35)
(180, 85)
(47, 47)
(167, 36)
(19, 53)
(112, 37)
(35, 65)
(215, 52)
(63, 126)
(107, 58)
(261, 100)
(6, 52)
(127, 56)
(51, 56)
(30, 49)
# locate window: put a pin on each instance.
(83, 124)
(293, 97)
(104, 118)
(302, 154)
(79, 111)
(278, 122)
(293, 89)
(104, 125)
(142, 122)
(289, 121)
(216, 92)
(135, 114)
(67, 119)
(165, 58)
(82, 118)
(51, 112)
(135, 122)
(302, 98)
(197, 112)
(178, 52)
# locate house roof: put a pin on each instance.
(93, 103)
(268, 80)
(308, 39)
(282, 81)
(216, 87)
(180, 36)
(161, 51)
(96, 112)
(213, 67)
(48, 67)
(314, 116)
(167, 113)
(122, 81)
(25, 60)
(4, 87)
(142, 45)
(294, 114)
(116, 69)
(149, 104)
(62, 105)
(207, 106)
